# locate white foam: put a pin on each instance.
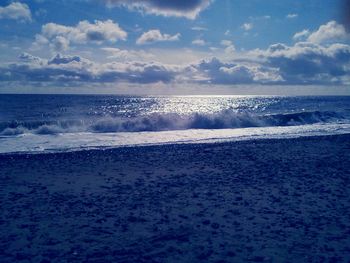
(79, 141)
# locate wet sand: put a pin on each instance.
(258, 201)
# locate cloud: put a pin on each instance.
(302, 35)
(199, 28)
(75, 69)
(28, 58)
(179, 8)
(214, 71)
(16, 11)
(291, 16)
(229, 47)
(332, 31)
(59, 59)
(59, 36)
(127, 55)
(156, 36)
(304, 63)
(199, 42)
(60, 43)
(309, 63)
(247, 26)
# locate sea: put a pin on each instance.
(56, 123)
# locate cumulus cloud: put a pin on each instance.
(156, 36)
(16, 11)
(332, 31)
(60, 43)
(302, 35)
(29, 58)
(304, 63)
(229, 47)
(214, 71)
(77, 69)
(59, 36)
(309, 63)
(179, 8)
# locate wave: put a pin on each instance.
(162, 122)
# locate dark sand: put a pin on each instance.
(259, 201)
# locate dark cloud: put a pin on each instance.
(95, 36)
(345, 10)
(181, 8)
(180, 5)
(77, 69)
(308, 63)
(59, 59)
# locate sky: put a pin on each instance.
(175, 47)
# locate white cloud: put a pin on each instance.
(291, 16)
(60, 43)
(156, 36)
(199, 42)
(302, 35)
(199, 28)
(229, 46)
(247, 26)
(127, 55)
(16, 11)
(332, 31)
(60, 36)
(179, 8)
(26, 57)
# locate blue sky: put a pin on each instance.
(147, 46)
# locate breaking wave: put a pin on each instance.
(162, 122)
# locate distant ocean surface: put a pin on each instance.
(39, 123)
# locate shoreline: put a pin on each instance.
(265, 200)
(152, 139)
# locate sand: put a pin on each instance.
(258, 201)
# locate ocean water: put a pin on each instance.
(36, 123)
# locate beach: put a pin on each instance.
(270, 200)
